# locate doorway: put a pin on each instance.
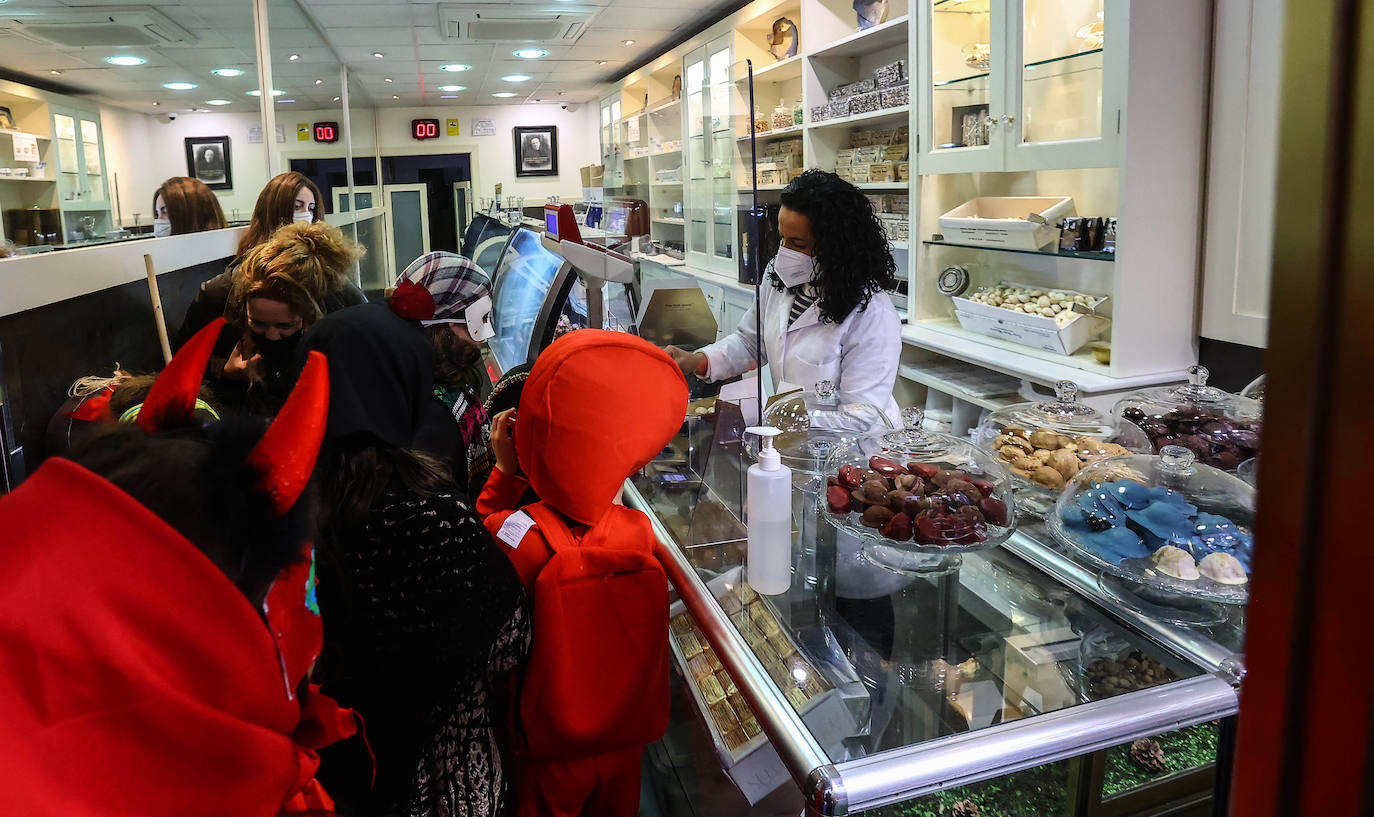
(408, 228)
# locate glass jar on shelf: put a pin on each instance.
(1045, 444)
(911, 494)
(1221, 429)
(1171, 535)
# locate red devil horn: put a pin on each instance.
(173, 395)
(286, 453)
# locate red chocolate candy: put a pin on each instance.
(984, 487)
(885, 466)
(837, 498)
(994, 510)
(924, 470)
(850, 476)
(898, 528)
(831, 482)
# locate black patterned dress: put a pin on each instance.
(425, 622)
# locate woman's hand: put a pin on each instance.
(241, 369)
(688, 362)
(503, 441)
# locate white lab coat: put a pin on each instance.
(859, 355)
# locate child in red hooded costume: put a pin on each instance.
(597, 406)
(147, 673)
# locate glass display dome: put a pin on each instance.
(813, 423)
(913, 491)
(1045, 444)
(1166, 523)
(1220, 428)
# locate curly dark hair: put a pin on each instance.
(851, 248)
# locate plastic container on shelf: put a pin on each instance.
(911, 492)
(1162, 523)
(1045, 444)
(1221, 429)
(1110, 665)
(1002, 221)
(812, 423)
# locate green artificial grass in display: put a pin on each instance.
(1033, 793)
(1185, 749)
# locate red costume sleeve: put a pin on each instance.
(502, 492)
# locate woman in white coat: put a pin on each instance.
(825, 313)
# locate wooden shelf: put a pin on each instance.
(871, 118)
(37, 136)
(888, 34)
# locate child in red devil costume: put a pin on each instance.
(597, 406)
(157, 615)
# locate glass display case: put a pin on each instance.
(1018, 85)
(521, 308)
(710, 157)
(81, 186)
(1006, 664)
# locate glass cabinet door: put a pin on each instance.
(68, 142)
(92, 161)
(1063, 111)
(961, 92)
(722, 150)
(696, 159)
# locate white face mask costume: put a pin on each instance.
(307, 217)
(477, 318)
(793, 268)
(162, 227)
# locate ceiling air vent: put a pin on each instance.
(505, 25)
(96, 27)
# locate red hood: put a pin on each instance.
(136, 676)
(597, 406)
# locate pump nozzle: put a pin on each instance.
(769, 459)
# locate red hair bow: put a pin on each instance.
(412, 301)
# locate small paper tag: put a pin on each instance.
(514, 528)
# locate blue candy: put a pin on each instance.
(1116, 545)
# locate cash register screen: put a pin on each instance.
(551, 222)
(615, 221)
(523, 278)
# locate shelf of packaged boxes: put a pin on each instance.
(893, 32)
(898, 114)
(769, 135)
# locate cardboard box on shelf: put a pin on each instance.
(897, 153)
(879, 172)
(860, 138)
(845, 172)
(895, 97)
(894, 73)
(866, 103)
(819, 113)
(863, 86)
(844, 157)
(879, 202)
(900, 204)
(885, 136)
(860, 174)
(837, 108)
(896, 226)
(904, 171)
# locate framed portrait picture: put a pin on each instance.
(536, 150)
(207, 159)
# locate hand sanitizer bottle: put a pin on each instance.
(769, 501)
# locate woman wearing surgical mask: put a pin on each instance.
(290, 198)
(277, 293)
(185, 205)
(825, 313)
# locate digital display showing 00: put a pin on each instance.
(326, 131)
(424, 128)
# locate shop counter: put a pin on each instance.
(865, 688)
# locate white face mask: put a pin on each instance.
(162, 227)
(307, 217)
(478, 319)
(794, 268)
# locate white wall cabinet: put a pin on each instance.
(1019, 84)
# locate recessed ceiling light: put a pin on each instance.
(453, 89)
(227, 72)
(217, 102)
(536, 100)
(336, 99)
(294, 57)
(379, 55)
(448, 96)
(455, 67)
(627, 42)
(125, 60)
(562, 93)
(516, 78)
(600, 62)
(387, 79)
(284, 101)
(503, 94)
(179, 86)
(393, 96)
(256, 92)
(529, 53)
(156, 103)
(319, 82)
(55, 72)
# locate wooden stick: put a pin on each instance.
(157, 309)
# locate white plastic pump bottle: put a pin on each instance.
(770, 518)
